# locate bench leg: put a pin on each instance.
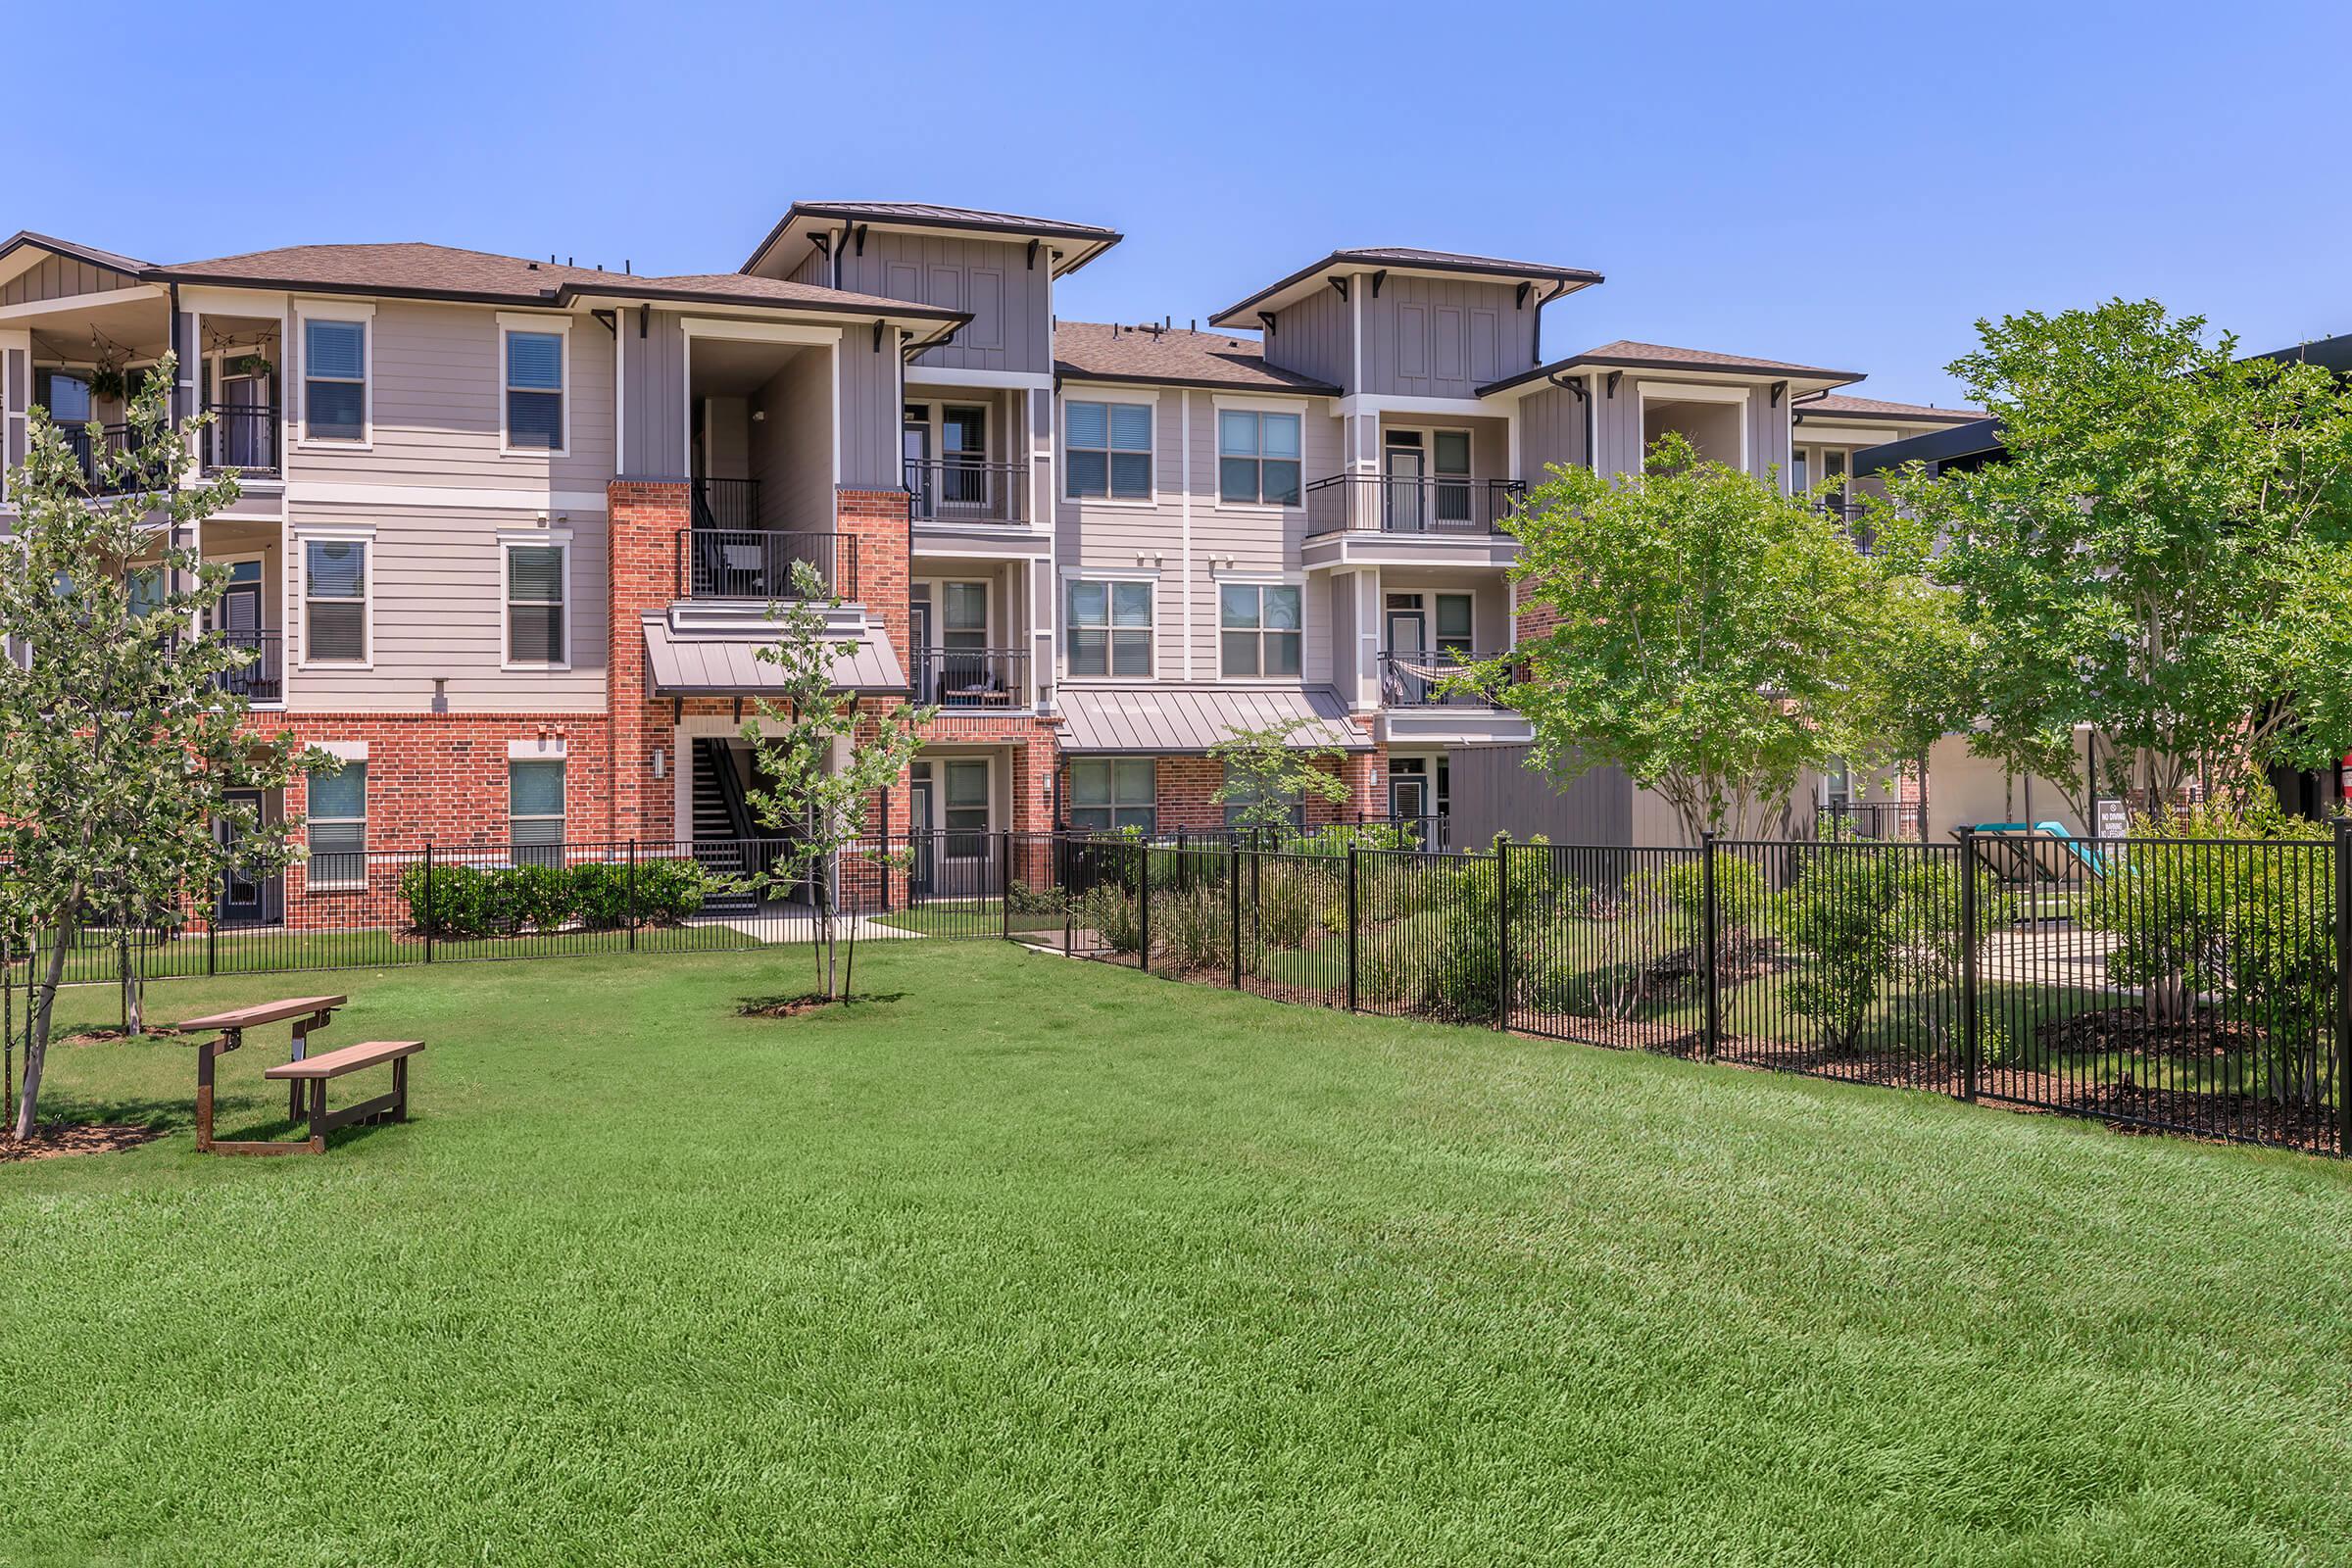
(400, 1088)
(317, 1115)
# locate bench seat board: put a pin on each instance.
(350, 1058)
(262, 1012)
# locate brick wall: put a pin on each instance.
(880, 523)
(644, 519)
(1184, 790)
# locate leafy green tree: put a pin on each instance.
(119, 744)
(1862, 915)
(1267, 778)
(821, 765)
(1708, 634)
(2164, 557)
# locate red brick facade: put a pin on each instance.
(1185, 787)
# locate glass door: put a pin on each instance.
(1403, 472)
(963, 459)
(915, 442)
(1449, 451)
(1406, 681)
(924, 868)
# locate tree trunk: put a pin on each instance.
(36, 1049)
(134, 1022)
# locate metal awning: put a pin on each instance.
(1158, 720)
(687, 661)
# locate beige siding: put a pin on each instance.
(990, 279)
(56, 277)
(791, 449)
(437, 603)
(437, 386)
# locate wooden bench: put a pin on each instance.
(309, 1015)
(316, 1070)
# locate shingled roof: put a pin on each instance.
(1628, 355)
(1838, 405)
(1412, 258)
(1100, 350)
(444, 272)
(1088, 240)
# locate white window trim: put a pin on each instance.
(560, 327)
(347, 753)
(304, 538)
(299, 386)
(506, 545)
(1061, 432)
(1158, 641)
(1246, 580)
(1261, 508)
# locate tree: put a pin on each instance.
(1708, 634)
(2163, 557)
(1267, 779)
(819, 765)
(120, 743)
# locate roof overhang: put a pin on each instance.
(1552, 281)
(25, 250)
(1167, 721)
(708, 649)
(1064, 375)
(1798, 378)
(1071, 245)
(1970, 443)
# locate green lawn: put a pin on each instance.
(1046, 1262)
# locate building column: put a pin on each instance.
(642, 522)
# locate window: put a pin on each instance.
(1258, 629)
(339, 827)
(334, 386)
(535, 813)
(1247, 797)
(535, 391)
(1257, 458)
(146, 589)
(964, 814)
(335, 602)
(536, 587)
(1109, 450)
(1110, 628)
(1449, 461)
(1454, 625)
(66, 394)
(1107, 793)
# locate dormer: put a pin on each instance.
(998, 267)
(1397, 322)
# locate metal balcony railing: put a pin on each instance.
(757, 562)
(265, 679)
(726, 503)
(92, 444)
(971, 677)
(242, 437)
(1433, 504)
(957, 490)
(1418, 680)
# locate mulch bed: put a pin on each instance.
(101, 1037)
(77, 1138)
(2130, 1031)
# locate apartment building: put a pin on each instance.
(510, 528)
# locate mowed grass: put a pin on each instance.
(1050, 1262)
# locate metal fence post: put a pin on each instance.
(1351, 937)
(1971, 1031)
(432, 915)
(1710, 930)
(1233, 879)
(1502, 934)
(2343, 986)
(1142, 907)
(632, 909)
(212, 928)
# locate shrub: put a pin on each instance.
(470, 901)
(1112, 912)
(1197, 925)
(1290, 901)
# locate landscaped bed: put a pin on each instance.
(1029, 1261)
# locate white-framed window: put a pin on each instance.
(338, 827)
(1113, 792)
(334, 602)
(538, 621)
(536, 812)
(1457, 621)
(533, 390)
(964, 806)
(334, 379)
(1109, 628)
(1258, 629)
(1107, 450)
(1257, 458)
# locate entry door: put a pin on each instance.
(964, 455)
(245, 899)
(923, 869)
(926, 654)
(1408, 648)
(1407, 469)
(917, 440)
(1408, 794)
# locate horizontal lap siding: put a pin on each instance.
(438, 392)
(439, 608)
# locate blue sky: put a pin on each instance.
(1850, 185)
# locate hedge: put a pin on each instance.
(470, 901)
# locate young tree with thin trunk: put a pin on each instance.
(119, 745)
(2165, 557)
(1269, 781)
(1709, 634)
(819, 765)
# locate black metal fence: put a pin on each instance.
(2196, 985)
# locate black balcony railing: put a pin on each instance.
(756, 562)
(93, 444)
(972, 677)
(955, 490)
(242, 437)
(727, 503)
(1437, 505)
(263, 680)
(1419, 679)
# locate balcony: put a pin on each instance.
(954, 491)
(263, 682)
(1416, 708)
(968, 679)
(1440, 505)
(92, 445)
(1418, 680)
(757, 562)
(242, 437)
